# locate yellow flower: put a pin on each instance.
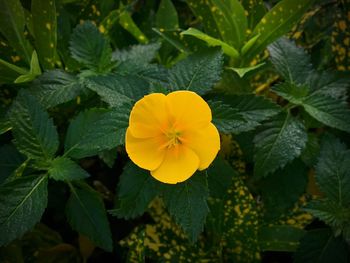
(172, 135)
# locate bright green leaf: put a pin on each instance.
(213, 42)
(126, 21)
(242, 71)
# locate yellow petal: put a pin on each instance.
(149, 116)
(145, 153)
(179, 164)
(188, 109)
(204, 142)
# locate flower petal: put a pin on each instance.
(148, 116)
(179, 164)
(188, 109)
(205, 143)
(146, 153)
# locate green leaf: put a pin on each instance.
(10, 160)
(281, 140)
(64, 169)
(136, 189)
(291, 92)
(118, 90)
(12, 23)
(142, 54)
(86, 214)
(220, 175)
(56, 87)
(198, 72)
(242, 71)
(34, 71)
(44, 27)
(277, 22)
(321, 246)
(333, 171)
(212, 42)
(311, 151)
(253, 110)
(126, 21)
(89, 47)
(225, 118)
(291, 62)
(187, 203)
(34, 132)
(329, 111)
(332, 213)
(280, 238)
(231, 21)
(281, 190)
(166, 17)
(22, 203)
(95, 130)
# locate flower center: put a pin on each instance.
(173, 138)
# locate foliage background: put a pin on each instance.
(70, 72)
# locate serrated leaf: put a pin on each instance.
(281, 190)
(89, 47)
(321, 246)
(142, 54)
(290, 61)
(118, 90)
(220, 175)
(10, 160)
(136, 189)
(330, 212)
(86, 214)
(55, 87)
(231, 21)
(291, 92)
(225, 118)
(166, 16)
(253, 110)
(243, 71)
(280, 238)
(329, 111)
(12, 23)
(281, 140)
(95, 130)
(187, 203)
(34, 132)
(277, 22)
(333, 171)
(64, 169)
(212, 42)
(44, 29)
(198, 72)
(22, 203)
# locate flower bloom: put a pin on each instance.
(172, 135)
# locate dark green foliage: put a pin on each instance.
(23, 202)
(187, 203)
(198, 72)
(10, 160)
(86, 214)
(65, 169)
(321, 246)
(136, 189)
(34, 132)
(281, 140)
